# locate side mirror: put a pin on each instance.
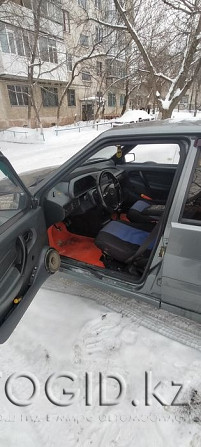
(13, 201)
(130, 158)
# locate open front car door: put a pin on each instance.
(26, 260)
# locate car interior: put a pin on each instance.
(108, 211)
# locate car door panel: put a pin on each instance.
(180, 273)
(20, 255)
(181, 285)
(40, 275)
(23, 247)
(153, 181)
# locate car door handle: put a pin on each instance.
(23, 254)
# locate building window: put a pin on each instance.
(11, 41)
(54, 12)
(86, 76)
(82, 3)
(115, 68)
(111, 100)
(52, 48)
(69, 61)
(184, 100)
(100, 98)
(14, 40)
(99, 68)
(26, 41)
(66, 21)
(48, 9)
(48, 50)
(49, 96)
(4, 39)
(84, 40)
(18, 95)
(71, 97)
(19, 43)
(98, 34)
(27, 4)
(98, 4)
(43, 7)
(43, 48)
(122, 99)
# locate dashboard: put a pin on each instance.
(82, 185)
(77, 196)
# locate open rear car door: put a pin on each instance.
(26, 260)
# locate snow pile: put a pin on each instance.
(184, 115)
(21, 135)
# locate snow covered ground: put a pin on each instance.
(54, 151)
(80, 329)
(74, 331)
(185, 115)
(28, 151)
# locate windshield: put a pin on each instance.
(157, 153)
(105, 154)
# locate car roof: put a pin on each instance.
(158, 128)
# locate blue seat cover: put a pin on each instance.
(127, 233)
(140, 205)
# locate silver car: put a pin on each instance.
(124, 213)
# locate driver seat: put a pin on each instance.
(121, 241)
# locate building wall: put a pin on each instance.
(12, 115)
(14, 71)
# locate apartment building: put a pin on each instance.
(54, 57)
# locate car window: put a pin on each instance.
(192, 206)
(154, 153)
(12, 197)
(105, 153)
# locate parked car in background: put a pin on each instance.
(133, 116)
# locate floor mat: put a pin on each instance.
(121, 217)
(74, 246)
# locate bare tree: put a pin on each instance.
(76, 69)
(167, 34)
(100, 48)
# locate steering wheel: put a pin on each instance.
(109, 191)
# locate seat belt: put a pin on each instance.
(145, 244)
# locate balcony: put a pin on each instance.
(16, 49)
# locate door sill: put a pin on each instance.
(99, 273)
(106, 280)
